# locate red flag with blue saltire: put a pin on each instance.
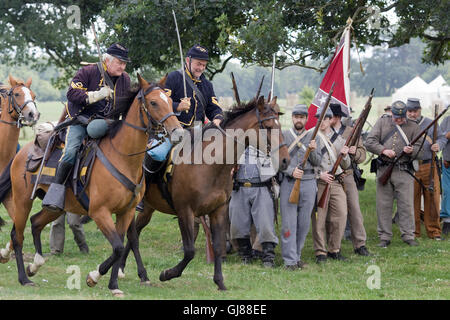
(337, 72)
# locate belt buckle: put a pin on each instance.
(247, 184)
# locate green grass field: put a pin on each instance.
(406, 272)
(410, 273)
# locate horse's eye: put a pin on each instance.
(153, 103)
(16, 94)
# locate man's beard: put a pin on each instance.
(298, 126)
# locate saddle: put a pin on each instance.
(160, 173)
(82, 168)
(79, 178)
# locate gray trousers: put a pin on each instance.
(354, 212)
(295, 218)
(255, 205)
(400, 186)
(57, 232)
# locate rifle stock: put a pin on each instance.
(351, 140)
(295, 193)
(387, 174)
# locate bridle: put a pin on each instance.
(153, 126)
(261, 126)
(14, 106)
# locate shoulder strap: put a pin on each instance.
(390, 134)
(195, 89)
(402, 134)
(297, 139)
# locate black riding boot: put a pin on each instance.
(268, 257)
(245, 250)
(55, 196)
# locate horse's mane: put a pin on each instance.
(123, 105)
(230, 115)
(238, 110)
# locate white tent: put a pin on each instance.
(441, 89)
(429, 94)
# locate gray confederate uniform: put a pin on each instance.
(400, 185)
(328, 223)
(57, 233)
(253, 202)
(296, 218)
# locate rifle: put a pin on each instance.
(272, 80)
(430, 188)
(259, 89)
(433, 154)
(209, 248)
(351, 139)
(387, 174)
(236, 94)
(295, 193)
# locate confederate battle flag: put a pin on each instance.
(337, 72)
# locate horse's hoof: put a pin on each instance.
(163, 276)
(222, 288)
(146, 283)
(29, 284)
(117, 293)
(4, 259)
(121, 274)
(29, 272)
(90, 282)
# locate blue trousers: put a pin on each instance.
(74, 138)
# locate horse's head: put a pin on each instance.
(158, 106)
(267, 118)
(21, 105)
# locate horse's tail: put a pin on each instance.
(5, 182)
(5, 187)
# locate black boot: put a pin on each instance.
(55, 196)
(268, 257)
(245, 250)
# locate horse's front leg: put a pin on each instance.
(133, 233)
(105, 223)
(186, 224)
(218, 220)
(38, 222)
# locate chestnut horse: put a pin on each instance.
(205, 189)
(124, 147)
(17, 109)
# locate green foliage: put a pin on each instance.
(307, 95)
(388, 69)
(304, 33)
(41, 85)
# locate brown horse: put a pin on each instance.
(17, 109)
(124, 147)
(205, 189)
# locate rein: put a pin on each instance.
(153, 125)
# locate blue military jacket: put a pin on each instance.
(197, 112)
(87, 79)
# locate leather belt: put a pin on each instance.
(248, 184)
(424, 161)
